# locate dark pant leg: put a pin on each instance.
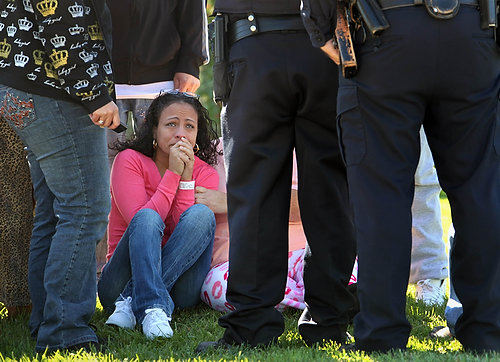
(258, 141)
(323, 197)
(380, 114)
(465, 139)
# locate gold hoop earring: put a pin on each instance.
(196, 148)
(155, 144)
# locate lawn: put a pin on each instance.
(200, 324)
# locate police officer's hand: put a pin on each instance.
(332, 51)
(186, 82)
(106, 116)
(215, 200)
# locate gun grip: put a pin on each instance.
(348, 62)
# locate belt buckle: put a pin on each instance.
(442, 9)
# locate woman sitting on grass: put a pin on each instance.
(159, 241)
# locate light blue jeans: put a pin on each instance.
(157, 277)
(70, 175)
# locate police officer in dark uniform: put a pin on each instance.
(282, 92)
(444, 73)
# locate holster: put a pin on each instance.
(221, 83)
(372, 15)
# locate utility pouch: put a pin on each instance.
(442, 9)
(372, 15)
(222, 86)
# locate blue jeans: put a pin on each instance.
(157, 277)
(69, 171)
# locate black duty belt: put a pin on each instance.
(391, 4)
(253, 25)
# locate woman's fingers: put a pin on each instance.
(185, 158)
(187, 151)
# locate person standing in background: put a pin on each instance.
(56, 93)
(157, 45)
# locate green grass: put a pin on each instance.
(200, 324)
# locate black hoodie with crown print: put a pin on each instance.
(57, 48)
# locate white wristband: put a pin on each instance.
(186, 185)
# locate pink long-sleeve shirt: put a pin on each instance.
(136, 184)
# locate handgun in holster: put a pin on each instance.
(348, 63)
(355, 14)
(221, 83)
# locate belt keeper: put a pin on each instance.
(252, 23)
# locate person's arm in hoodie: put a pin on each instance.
(192, 27)
(75, 56)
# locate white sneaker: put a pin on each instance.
(156, 324)
(431, 291)
(123, 316)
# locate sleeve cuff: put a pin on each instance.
(97, 103)
(319, 30)
(188, 65)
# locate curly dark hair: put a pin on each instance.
(206, 137)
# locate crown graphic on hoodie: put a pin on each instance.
(76, 10)
(27, 6)
(107, 67)
(95, 32)
(59, 58)
(86, 56)
(50, 71)
(38, 56)
(47, 7)
(92, 70)
(20, 60)
(75, 30)
(5, 49)
(58, 41)
(25, 24)
(11, 30)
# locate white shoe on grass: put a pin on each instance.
(156, 324)
(123, 316)
(431, 291)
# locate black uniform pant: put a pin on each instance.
(283, 96)
(446, 75)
